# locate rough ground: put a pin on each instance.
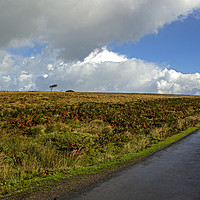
(51, 190)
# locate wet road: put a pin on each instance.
(173, 173)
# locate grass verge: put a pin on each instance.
(81, 175)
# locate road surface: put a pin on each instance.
(170, 174)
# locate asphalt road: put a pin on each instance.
(173, 173)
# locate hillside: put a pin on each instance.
(56, 134)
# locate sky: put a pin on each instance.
(137, 46)
(170, 46)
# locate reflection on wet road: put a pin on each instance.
(173, 173)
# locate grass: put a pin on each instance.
(51, 136)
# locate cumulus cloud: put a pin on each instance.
(81, 26)
(101, 70)
(6, 62)
(176, 82)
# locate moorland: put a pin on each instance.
(57, 135)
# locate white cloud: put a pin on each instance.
(6, 62)
(176, 82)
(100, 72)
(103, 55)
(4, 82)
(25, 82)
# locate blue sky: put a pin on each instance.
(28, 51)
(176, 44)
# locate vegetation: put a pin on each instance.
(50, 133)
(70, 91)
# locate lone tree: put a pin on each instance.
(53, 86)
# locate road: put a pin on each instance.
(170, 174)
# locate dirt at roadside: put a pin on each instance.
(50, 191)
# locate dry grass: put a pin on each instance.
(31, 98)
(159, 133)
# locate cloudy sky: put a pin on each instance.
(148, 46)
